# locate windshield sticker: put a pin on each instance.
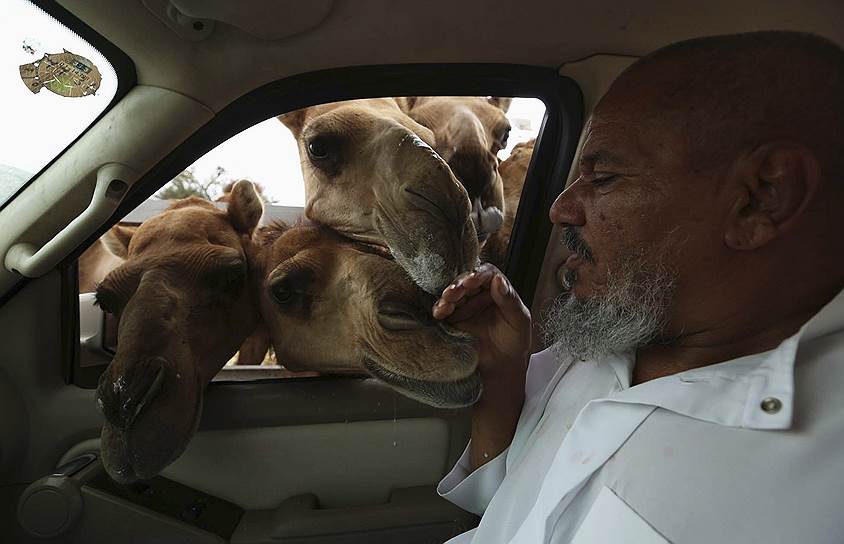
(65, 74)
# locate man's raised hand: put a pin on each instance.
(484, 304)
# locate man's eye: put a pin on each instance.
(601, 180)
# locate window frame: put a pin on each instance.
(123, 66)
(545, 179)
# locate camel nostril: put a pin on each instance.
(121, 399)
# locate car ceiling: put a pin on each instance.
(307, 36)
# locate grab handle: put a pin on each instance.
(26, 259)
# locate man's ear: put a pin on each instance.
(294, 120)
(776, 183)
(245, 207)
(116, 240)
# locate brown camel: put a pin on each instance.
(100, 259)
(513, 172)
(336, 306)
(185, 304)
(469, 131)
(227, 191)
(370, 173)
(188, 295)
(104, 255)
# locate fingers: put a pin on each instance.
(465, 286)
(509, 302)
(471, 307)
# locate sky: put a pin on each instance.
(39, 126)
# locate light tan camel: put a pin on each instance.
(370, 173)
(336, 306)
(185, 304)
(469, 131)
(513, 172)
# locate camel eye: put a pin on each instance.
(232, 282)
(228, 279)
(105, 301)
(292, 290)
(502, 138)
(325, 153)
(282, 292)
(318, 148)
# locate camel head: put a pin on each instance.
(469, 131)
(370, 173)
(336, 306)
(185, 304)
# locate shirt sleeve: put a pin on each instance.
(472, 491)
(469, 490)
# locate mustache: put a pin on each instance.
(573, 241)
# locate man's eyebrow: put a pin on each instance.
(603, 157)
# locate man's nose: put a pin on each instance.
(567, 209)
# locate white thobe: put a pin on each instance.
(748, 450)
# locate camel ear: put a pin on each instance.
(406, 103)
(245, 207)
(294, 120)
(501, 102)
(116, 240)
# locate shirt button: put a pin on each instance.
(771, 405)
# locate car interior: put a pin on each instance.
(281, 453)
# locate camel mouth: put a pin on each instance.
(433, 260)
(121, 401)
(125, 463)
(142, 449)
(376, 249)
(453, 394)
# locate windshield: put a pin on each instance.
(53, 84)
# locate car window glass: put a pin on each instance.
(53, 84)
(274, 154)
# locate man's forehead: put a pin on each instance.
(610, 141)
(622, 132)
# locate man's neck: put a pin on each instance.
(735, 337)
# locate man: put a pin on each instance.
(694, 389)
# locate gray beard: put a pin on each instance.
(633, 312)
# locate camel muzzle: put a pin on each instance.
(121, 400)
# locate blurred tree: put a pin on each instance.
(186, 184)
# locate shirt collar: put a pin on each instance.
(755, 391)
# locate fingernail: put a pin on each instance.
(503, 286)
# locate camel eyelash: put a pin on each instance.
(100, 302)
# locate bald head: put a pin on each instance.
(712, 169)
(727, 94)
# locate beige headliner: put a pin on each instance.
(550, 33)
